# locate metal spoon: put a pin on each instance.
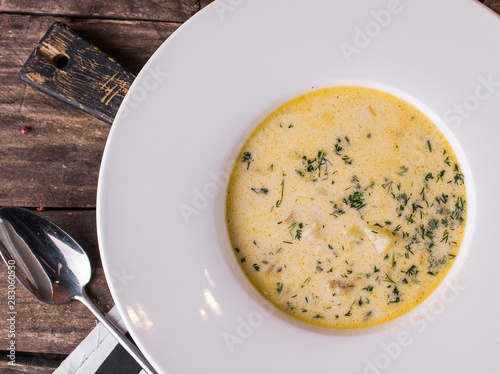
(52, 266)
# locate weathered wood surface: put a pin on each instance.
(204, 3)
(56, 164)
(35, 363)
(493, 4)
(158, 10)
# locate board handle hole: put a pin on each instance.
(53, 55)
(60, 61)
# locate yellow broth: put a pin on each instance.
(346, 207)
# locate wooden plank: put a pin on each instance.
(493, 4)
(57, 163)
(204, 3)
(39, 363)
(158, 10)
(57, 329)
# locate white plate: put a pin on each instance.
(161, 188)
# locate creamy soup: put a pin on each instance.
(346, 207)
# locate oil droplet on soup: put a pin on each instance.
(346, 207)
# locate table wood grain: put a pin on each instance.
(54, 166)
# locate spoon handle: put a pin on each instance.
(119, 336)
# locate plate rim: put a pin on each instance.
(100, 197)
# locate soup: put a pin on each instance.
(346, 207)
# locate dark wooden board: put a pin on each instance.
(69, 68)
(158, 10)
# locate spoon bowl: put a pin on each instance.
(49, 263)
(52, 266)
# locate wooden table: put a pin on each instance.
(54, 167)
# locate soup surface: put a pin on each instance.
(346, 207)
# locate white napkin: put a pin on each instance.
(99, 353)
